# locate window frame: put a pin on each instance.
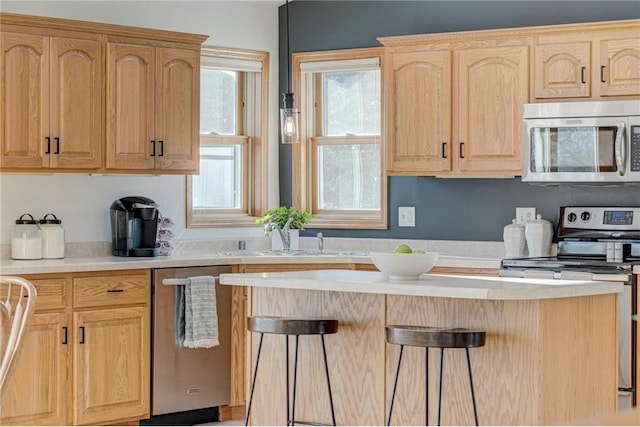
(304, 166)
(254, 141)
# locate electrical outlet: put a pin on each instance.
(525, 214)
(407, 216)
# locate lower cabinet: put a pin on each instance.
(86, 362)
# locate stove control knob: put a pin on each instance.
(585, 216)
(572, 217)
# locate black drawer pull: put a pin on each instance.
(115, 290)
(582, 74)
(161, 148)
(444, 150)
(81, 334)
(48, 139)
(602, 74)
(462, 150)
(153, 148)
(57, 145)
(66, 335)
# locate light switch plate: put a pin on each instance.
(406, 216)
(525, 214)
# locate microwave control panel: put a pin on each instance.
(635, 149)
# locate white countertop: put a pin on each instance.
(79, 264)
(429, 285)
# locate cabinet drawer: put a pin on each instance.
(102, 291)
(53, 293)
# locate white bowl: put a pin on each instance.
(400, 266)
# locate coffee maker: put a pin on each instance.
(134, 226)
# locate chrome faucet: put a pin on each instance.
(283, 232)
(320, 242)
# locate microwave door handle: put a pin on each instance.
(620, 150)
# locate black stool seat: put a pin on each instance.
(436, 337)
(289, 326)
(439, 337)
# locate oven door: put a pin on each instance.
(586, 150)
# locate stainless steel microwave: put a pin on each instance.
(581, 142)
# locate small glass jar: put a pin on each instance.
(26, 239)
(52, 237)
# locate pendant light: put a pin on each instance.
(289, 115)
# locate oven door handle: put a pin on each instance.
(621, 150)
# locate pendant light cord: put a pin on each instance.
(288, 52)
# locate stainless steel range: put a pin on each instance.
(597, 243)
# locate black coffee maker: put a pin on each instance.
(134, 226)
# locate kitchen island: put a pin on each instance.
(549, 358)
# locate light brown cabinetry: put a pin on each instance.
(83, 96)
(51, 102)
(153, 108)
(86, 362)
(598, 64)
(456, 111)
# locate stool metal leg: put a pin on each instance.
(473, 395)
(253, 383)
(440, 383)
(426, 386)
(295, 378)
(395, 386)
(286, 337)
(326, 370)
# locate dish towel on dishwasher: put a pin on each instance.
(196, 319)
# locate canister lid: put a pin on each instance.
(53, 220)
(26, 221)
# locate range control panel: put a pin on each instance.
(601, 218)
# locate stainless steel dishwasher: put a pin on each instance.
(185, 379)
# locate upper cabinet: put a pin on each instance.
(88, 97)
(454, 109)
(51, 102)
(454, 100)
(153, 108)
(595, 65)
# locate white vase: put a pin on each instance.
(276, 241)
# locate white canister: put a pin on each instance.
(26, 239)
(514, 240)
(52, 237)
(539, 234)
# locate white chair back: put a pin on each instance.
(17, 305)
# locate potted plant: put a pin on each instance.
(277, 219)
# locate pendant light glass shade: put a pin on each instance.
(289, 124)
(289, 115)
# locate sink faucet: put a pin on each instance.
(283, 232)
(320, 242)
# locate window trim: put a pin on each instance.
(303, 167)
(255, 161)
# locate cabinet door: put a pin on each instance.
(24, 101)
(620, 66)
(130, 107)
(111, 365)
(178, 110)
(562, 70)
(492, 85)
(39, 392)
(76, 103)
(420, 112)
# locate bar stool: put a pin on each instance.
(288, 326)
(436, 337)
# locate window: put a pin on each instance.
(233, 129)
(338, 171)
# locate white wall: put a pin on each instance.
(82, 201)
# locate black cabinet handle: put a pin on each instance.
(161, 148)
(81, 334)
(48, 139)
(115, 290)
(462, 150)
(66, 335)
(444, 150)
(57, 145)
(602, 74)
(153, 148)
(582, 74)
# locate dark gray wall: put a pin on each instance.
(446, 209)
